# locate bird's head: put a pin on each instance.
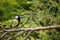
(17, 17)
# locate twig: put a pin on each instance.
(1, 31)
(1, 26)
(3, 35)
(10, 38)
(28, 34)
(18, 34)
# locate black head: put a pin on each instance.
(17, 17)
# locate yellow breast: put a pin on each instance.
(15, 23)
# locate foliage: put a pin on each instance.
(33, 13)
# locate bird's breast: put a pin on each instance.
(15, 23)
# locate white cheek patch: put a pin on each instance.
(16, 17)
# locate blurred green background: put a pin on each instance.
(33, 13)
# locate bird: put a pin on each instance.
(15, 22)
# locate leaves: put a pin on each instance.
(33, 13)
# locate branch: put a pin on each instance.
(3, 27)
(10, 38)
(26, 29)
(29, 29)
(28, 34)
(3, 35)
(18, 34)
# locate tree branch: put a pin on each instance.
(26, 29)
(29, 29)
(3, 35)
(18, 34)
(28, 34)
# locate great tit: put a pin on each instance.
(15, 22)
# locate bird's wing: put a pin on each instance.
(14, 23)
